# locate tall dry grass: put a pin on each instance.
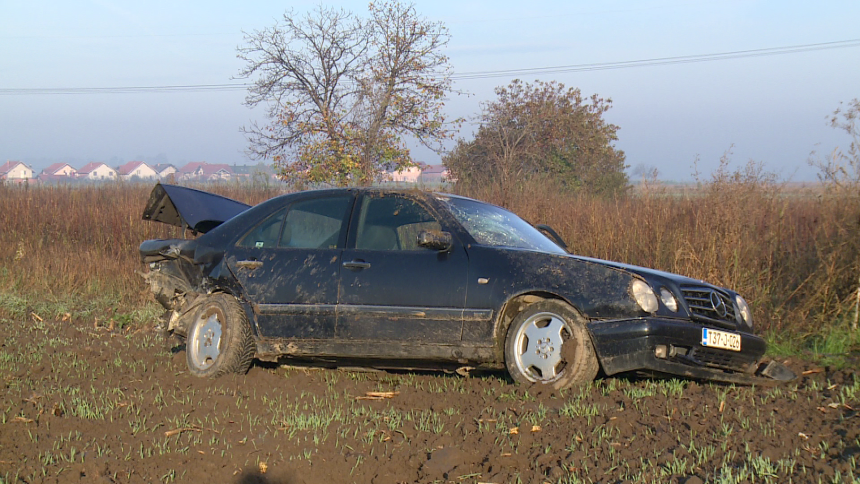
(795, 255)
(79, 242)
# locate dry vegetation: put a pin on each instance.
(794, 254)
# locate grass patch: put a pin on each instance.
(837, 344)
(106, 310)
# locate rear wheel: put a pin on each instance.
(219, 338)
(548, 343)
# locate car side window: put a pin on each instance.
(392, 223)
(315, 223)
(266, 233)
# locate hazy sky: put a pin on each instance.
(771, 108)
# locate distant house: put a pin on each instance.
(60, 169)
(188, 171)
(97, 171)
(136, 169)
(216, 172)
(164, 170)
(15, 171)
(434, 174)
(202, 171)
(58, 172)
(407, 175)
(260, 170)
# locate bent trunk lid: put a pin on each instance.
(189, 208)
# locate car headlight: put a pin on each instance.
(668, 299)
(744, 308)
(644, 295)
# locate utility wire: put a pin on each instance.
(126, 90)
(660, 61)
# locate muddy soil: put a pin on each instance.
(84, 404)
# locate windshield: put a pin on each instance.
(496, 227)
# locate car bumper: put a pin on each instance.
(674, 347)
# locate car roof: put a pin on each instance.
(384, 190)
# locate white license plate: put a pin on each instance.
(721, 339)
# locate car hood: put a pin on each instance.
(644, 271)
(189, 208)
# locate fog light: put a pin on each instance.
(661, 351)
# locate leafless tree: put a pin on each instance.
(343, 92)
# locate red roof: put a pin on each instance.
(90, 167)
(215, 168)
(9, 166)
(206, 169)
(129, 167)
(191, 167)
(53, 169)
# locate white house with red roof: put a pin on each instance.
(97, 171)
(217, 171)
(406, 175)
(15, 171)
(202, 171)
(434, 174)
(188, 171)
(136, 169)
(164, 170)
(58, 172)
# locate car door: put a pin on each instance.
(288, 267)
(392, 289)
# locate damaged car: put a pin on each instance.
(412, 279)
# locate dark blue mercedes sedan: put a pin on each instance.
(411, 279)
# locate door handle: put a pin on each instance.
(249, 264)
(357, 264)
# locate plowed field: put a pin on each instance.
(84, 404)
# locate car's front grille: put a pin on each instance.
(727, 360)
(704, 304)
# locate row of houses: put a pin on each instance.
(16, 171)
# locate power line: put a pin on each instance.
(659, 61)
(126, 90)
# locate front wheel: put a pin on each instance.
(219, 338)
(548, 343)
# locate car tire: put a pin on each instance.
(219, 339)
(548, 343)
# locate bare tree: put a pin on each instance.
(840, 170)
(344, 92)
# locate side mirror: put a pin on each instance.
(553, 235)
(435, 240)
